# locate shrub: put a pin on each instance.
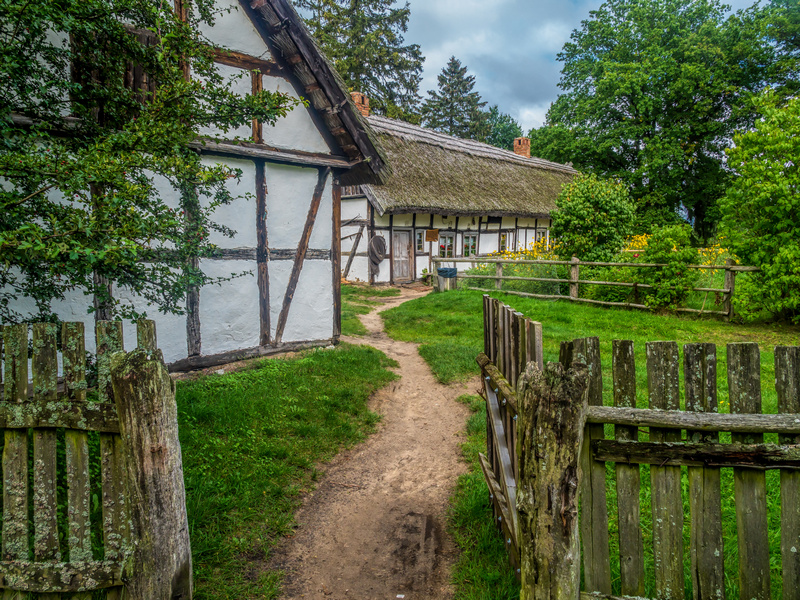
(674, 282)
(593, 219)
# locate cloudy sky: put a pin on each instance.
(509, 45)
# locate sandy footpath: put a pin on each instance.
(375, 528)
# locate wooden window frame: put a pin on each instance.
(443, 245)
(419, 241)
(474, 245)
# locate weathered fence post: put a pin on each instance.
(574, 276)
(552, 414)
(498, 271)
(730, 285)
(145, 398)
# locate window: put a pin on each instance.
(470, 244)
(420, 245)
(506, 241)
(446, 245)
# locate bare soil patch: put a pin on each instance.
(375, 528)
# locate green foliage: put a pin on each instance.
(674, 282)
(364, 39)
(593, 219)
(455, 108)
(90, 167)
(251, 442)
(503, 129)
(762, 210)
(653, 91)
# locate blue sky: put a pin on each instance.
(509, 45)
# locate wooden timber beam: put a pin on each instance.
(281, 155)
(60, 577)
(94, 416)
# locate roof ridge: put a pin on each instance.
(421, 134)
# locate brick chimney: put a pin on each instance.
(522, 146)
(361, 102)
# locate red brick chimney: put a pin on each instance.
(522, 146)
(361, 102)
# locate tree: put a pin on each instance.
(364, 39)
(456, 109)
(503, 129)
(593, 218)
(654, 90)
(88, 157)
(761, 221)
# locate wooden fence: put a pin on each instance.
(53, 435)
(575, 282)
(547, 454)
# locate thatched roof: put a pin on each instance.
(436, 173)
(298, 53)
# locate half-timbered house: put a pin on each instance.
(446, 197)
(288, 216)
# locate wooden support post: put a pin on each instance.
(148, 414)
(550, 433)
(787, 380)
(498, 271)
(749, 485)
(146, 335)
(594, 514)
(631, 544)
(574, 276)
(667, 505)
(730, 285)
(705, 500)
(336, 259)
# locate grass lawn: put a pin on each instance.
(251, 441)
(359, 300)
(449, 327)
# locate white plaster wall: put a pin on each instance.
(311, 313)
(239, 82)
(234, 30)
(240, 215)
(488, 243)
(354, 208)
(359, 271)
(381, 221)
(422, 264)
(347, 242)
(403, 220)
(385, 272)
(509, 223)
(468, 224)
(296, 130)
(441, 223)
(289, 193)
(229, 313)
(170, 329)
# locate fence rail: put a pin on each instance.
(93, 437)
(542, 424)
(574, 281)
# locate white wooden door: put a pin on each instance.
(401, 251)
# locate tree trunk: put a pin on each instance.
(552, 413)
(161, 568)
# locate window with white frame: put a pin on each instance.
(506, 241)
(420, 241)
(470, 244)
(446, 243)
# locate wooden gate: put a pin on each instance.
(515, 406)
(71, 530)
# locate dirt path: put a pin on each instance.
(375, 526)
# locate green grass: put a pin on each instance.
(360, 300)
(483, 571)
(251, 441)
(449, 327)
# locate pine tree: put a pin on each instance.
(364, 39)
(456, 109)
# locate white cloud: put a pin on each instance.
(532, 116)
